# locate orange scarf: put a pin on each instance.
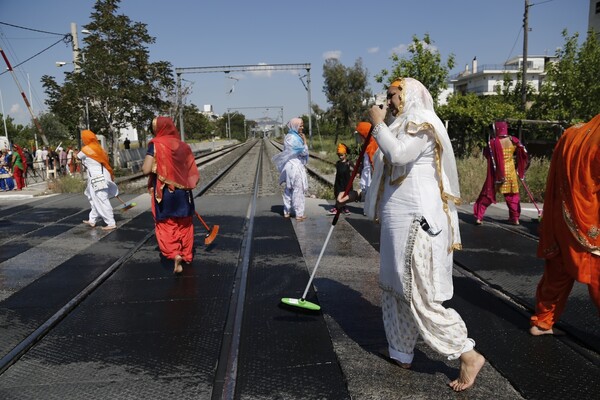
(93, 149)
(573, 186)
(174, 162)
(363, 128)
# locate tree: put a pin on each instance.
(237, 125)
(470, 118)
(113, 76)
(423, 64)
(197, 125)
(346, 91)
(571, 90)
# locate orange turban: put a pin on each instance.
(342, 149)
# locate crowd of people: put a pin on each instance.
(409, 185)
(18, 165)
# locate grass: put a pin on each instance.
(472, 172)
(67, 184)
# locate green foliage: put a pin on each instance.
(535, 178)
(197, 125)
(114, 76)
(67, 184)
(16, 132)
(571, 90)
(424, 63)
(470, 118)
(471, 176)
(346, 91)
(237, 129)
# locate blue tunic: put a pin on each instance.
(176, 204)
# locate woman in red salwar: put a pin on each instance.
(173, 174)
(502, 173)
(19, 166)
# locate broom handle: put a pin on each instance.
(530, 195)
(354, 172)
(337, 213)
(201, 220)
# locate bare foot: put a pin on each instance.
(109, 227)
(403, 365)
(471, 363)
(537, 331)
(178, 269)
(87, 222)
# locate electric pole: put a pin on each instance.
(524, 78)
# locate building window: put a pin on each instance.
(598, 7)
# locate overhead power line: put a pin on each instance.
(66, 38)
(31, 29)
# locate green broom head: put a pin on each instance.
(301, 303)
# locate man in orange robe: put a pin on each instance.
(570, 229)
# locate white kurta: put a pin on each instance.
(417, 195)
(99, 200)
(415, 176)
(365, 174)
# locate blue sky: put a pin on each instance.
(193, 33)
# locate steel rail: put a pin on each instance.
(38, 334)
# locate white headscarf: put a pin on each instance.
(293, 146)
(417, 110)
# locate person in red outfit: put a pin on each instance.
(502, 174)
(19, 166)
(173, 174)
(570, 229)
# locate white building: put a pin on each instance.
(209, 113)
(484, 80)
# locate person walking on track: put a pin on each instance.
(413, 194)
(502, 173)
(292, 171)
(172, 175)
(570, 228)
(100, 186)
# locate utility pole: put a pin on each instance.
(33, 117)
(524, 78)
(75, 44)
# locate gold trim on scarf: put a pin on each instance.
(399, 83)
(579, 236)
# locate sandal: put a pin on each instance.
(87, 222)
(302, 218)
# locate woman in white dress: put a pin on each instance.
(413, 195)
(292, 171)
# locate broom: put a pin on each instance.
(211, 233)
(125, 205)
(302, 302)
